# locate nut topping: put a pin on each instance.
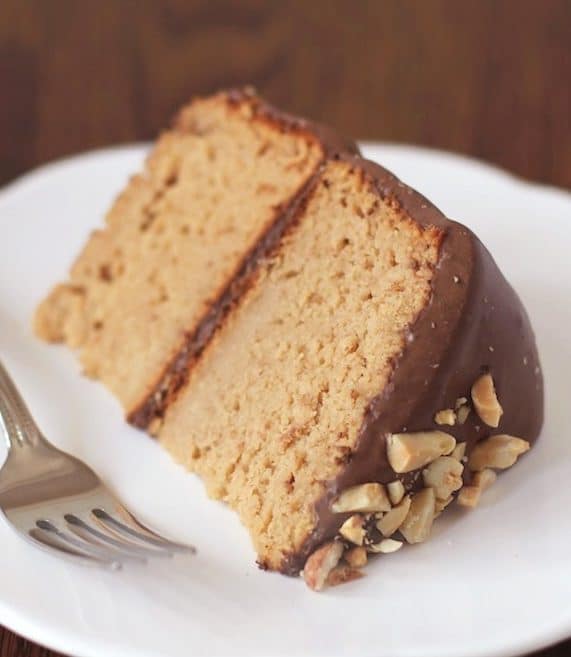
(410, 451)
(469, 496)
(499, 451)
(356, 557)
(446, 416)
(440, 505)
(462, 409)
(353, 529)
(444, 475)
(484, 479)
(418, 522)
(321, 563)
(343, 574)
(459, 451)
(386, 546)
(486, 402)
(462, 414)
(366, 497)
(392, 520)
(396, 491)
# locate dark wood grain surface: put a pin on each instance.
(489, 78)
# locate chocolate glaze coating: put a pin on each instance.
(331, 141)
(177, 371)
(474, 323)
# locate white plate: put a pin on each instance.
(494, 582)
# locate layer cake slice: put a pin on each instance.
(345, 367)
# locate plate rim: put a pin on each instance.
(72, 643)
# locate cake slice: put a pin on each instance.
(355, 389)
(365, 364)
(148, 289)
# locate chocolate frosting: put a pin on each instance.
(473, 323)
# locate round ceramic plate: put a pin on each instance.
(492, 582)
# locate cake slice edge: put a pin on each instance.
(474, 329)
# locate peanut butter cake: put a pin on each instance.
(337, 360)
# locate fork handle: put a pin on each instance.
(19, 426)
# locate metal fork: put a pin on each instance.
(56, 501)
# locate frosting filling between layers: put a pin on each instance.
(177, 372)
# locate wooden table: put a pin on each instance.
(491, 79)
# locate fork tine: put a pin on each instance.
(89, 533)
(98, 540)
(87, 548)
(143, 534)
(48, 540)
(131, 520)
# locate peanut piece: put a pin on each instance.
(386, 546)
(410, 451)
(321, 563)
(444, 475)
(356, 557)
(392, 520)
(469, 496)
(342, 574)
(459, 451)
(396, 491)
(446, 416)
(500, 451)
(486, 401)
(418, 522)
(365, 497)
(353, 529)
